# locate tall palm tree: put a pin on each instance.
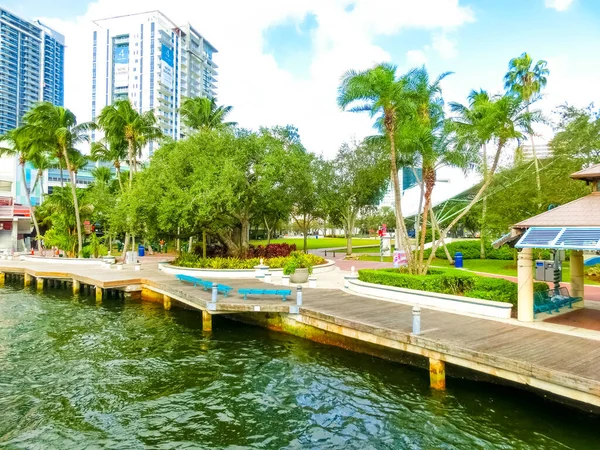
(510, 120)
(474, 128)
(201, 113)
(56, 127)
(121, 122)
(41, 161)
(431, 143)
(526, 80)
(22, 146)
(383, 95)
(113, 151)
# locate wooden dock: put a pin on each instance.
(565, 366)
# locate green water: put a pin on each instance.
(130, 375)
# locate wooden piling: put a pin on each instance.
(206, 321)
(2, 279)
(167, 303)
(27, 279)
(39, 284)
(437, 374)
(98, 294)
(76, 287)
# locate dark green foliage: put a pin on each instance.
(471, 250)
(449, 282)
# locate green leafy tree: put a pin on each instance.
(577, 134)
(56, 128)
(526, 80)
(201, 113)
(357, 180)
(382, 94)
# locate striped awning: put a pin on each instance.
(565, 238)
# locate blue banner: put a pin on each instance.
(121, 54)
(167, 55)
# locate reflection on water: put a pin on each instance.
(74, 374)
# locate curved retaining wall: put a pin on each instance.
(450, 303)
(78, 261)
(234, 273)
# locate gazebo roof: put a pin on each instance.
(589, 174)
(583, 212)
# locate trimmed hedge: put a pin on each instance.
(472, 249)
(449, 282)
(194, 261)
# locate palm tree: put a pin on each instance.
(510, 120)
(121, 122)
(201, 113)
(474, 128)
(525, 81)
(22, 146)
(431, 142)
(56, 127)
(379, 92)
(113, 151)
(41, 162)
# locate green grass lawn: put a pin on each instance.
(314, 244)
(495, 266)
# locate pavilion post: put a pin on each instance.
(576, 273)
(525, 282)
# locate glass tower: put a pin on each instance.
(31, 67)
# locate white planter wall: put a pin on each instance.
(450, 303)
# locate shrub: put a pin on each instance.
(449, 282)
(471, 249)
(593, 272)
(271, 250)
(194, 261)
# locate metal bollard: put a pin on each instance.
(214, 292)
(352, 270)
(299, 296)
(416, 320)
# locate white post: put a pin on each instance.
(416, 320)
(299, 296)
(214, 293)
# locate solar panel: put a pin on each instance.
(567, 238)
(538, 237)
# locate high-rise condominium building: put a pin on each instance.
(152, 61)
(32, 62)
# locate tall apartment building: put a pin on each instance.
(155, 63)
(32, 61)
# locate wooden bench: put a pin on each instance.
(283, 292)
(206, 285)
(546, 301)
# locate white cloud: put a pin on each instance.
(261, 92)
(415, 58)
(444, 46)
(559, 5)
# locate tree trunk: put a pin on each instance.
(118, 169)
(435, 225)
(244, 242)
(204, 244)
(418, 216)
(401, 234)
(305, 230)
(484, 206)
(60, 167)
(429, 180)
(131, 162)
(31, 211)
(178, 242)
(191, 241)
(268, 230)
(536, 163)
(75, 204)
(475, 199)
(125, 245)
(350, 225)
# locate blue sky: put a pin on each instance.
(280, 61)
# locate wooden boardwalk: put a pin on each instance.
(564, 365)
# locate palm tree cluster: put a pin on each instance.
(411, 117)
(50, 136)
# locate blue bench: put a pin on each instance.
(283, 292)
(221, 288)
(546, 301)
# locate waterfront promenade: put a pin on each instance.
(553, 361)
